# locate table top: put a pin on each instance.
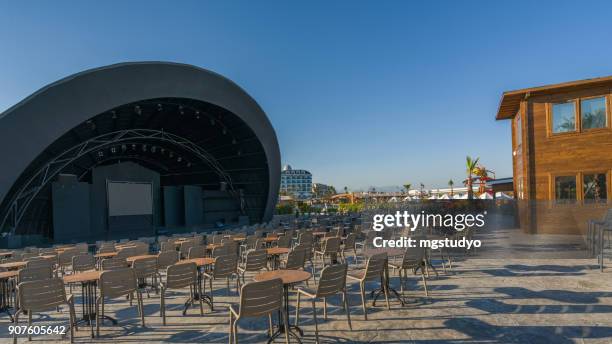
(319, 233)
(144, 256)
(106, 255)
(48, 256)
(213, 246)
(6, 254)
(271, 239)
(86, 276)
(8, 274)
(278, 250)
(198, 261)
(13, 265)
(288, 276)
(391, 252)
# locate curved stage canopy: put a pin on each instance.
(189, 125)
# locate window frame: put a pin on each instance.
(553, 188)
(577, 100)
(579, 114)
(607, 175)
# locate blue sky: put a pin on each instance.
(360, 93)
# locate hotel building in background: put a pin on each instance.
(296, 183)
(561, 153)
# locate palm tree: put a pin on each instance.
(451, 183)
(471, 165)
(407, 187)
(345, 189)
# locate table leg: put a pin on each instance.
(385, 285)
(197, 294)
(281, 327)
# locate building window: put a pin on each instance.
(565, 189)
(594, 187)
(593, 113)
(563, 117)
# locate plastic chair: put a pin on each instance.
(114, 284)
(374, 270)
(179, 276)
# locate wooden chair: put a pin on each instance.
(179, 276)
(258, 299)
(224, 267)
(331, 282)
(115, 284)
(255, 261)
(295, 259)
(349, 245)
(374, 270)
(413, 259)
(44, 295)
(145, 268)
(165, 259)
(284, 241)
(330, 249)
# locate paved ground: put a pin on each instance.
(483, 301)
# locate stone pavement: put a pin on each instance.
(480, 301)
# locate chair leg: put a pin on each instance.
(347, 308)
(424, 284)
(231, 327)
(16, 317)
(385, 287)
(201, 293)
(270, 328)
(314, 317)
(98, 300)
(363, 300)
(297, 310)
(235, 330)
(140, 307)
(162, 305)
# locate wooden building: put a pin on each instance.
(562, 153)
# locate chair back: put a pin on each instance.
(181, 275)
(116, 283)
(185, 247)
(165, 259)
(82, 248)
(261, 298)
(65, 257)
(27, 255)
(127, 252)
(83, 262)
(216, 239)
(167, 246)
(375, 266)
(225, 266)
(107, 247)
(114, 264)
(256, 260)
(284, 241)
(332, 245)
(41, 295)
(413, 257)
(306, 237)
(296, 258)
(35, 273)
(332, 280)
(349, 242)
(40, 263)
(145, 267)
(197, 252)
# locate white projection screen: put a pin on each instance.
(129, 199)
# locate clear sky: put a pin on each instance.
(362, 94)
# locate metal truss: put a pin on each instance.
(29, 190)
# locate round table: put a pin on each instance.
(275, 252)
(6, 254)
(144, 256)
(106, 255)
(200, 263)
(13, 265)
(89, 281)
(288, 277)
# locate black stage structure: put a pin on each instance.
(205, 147)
